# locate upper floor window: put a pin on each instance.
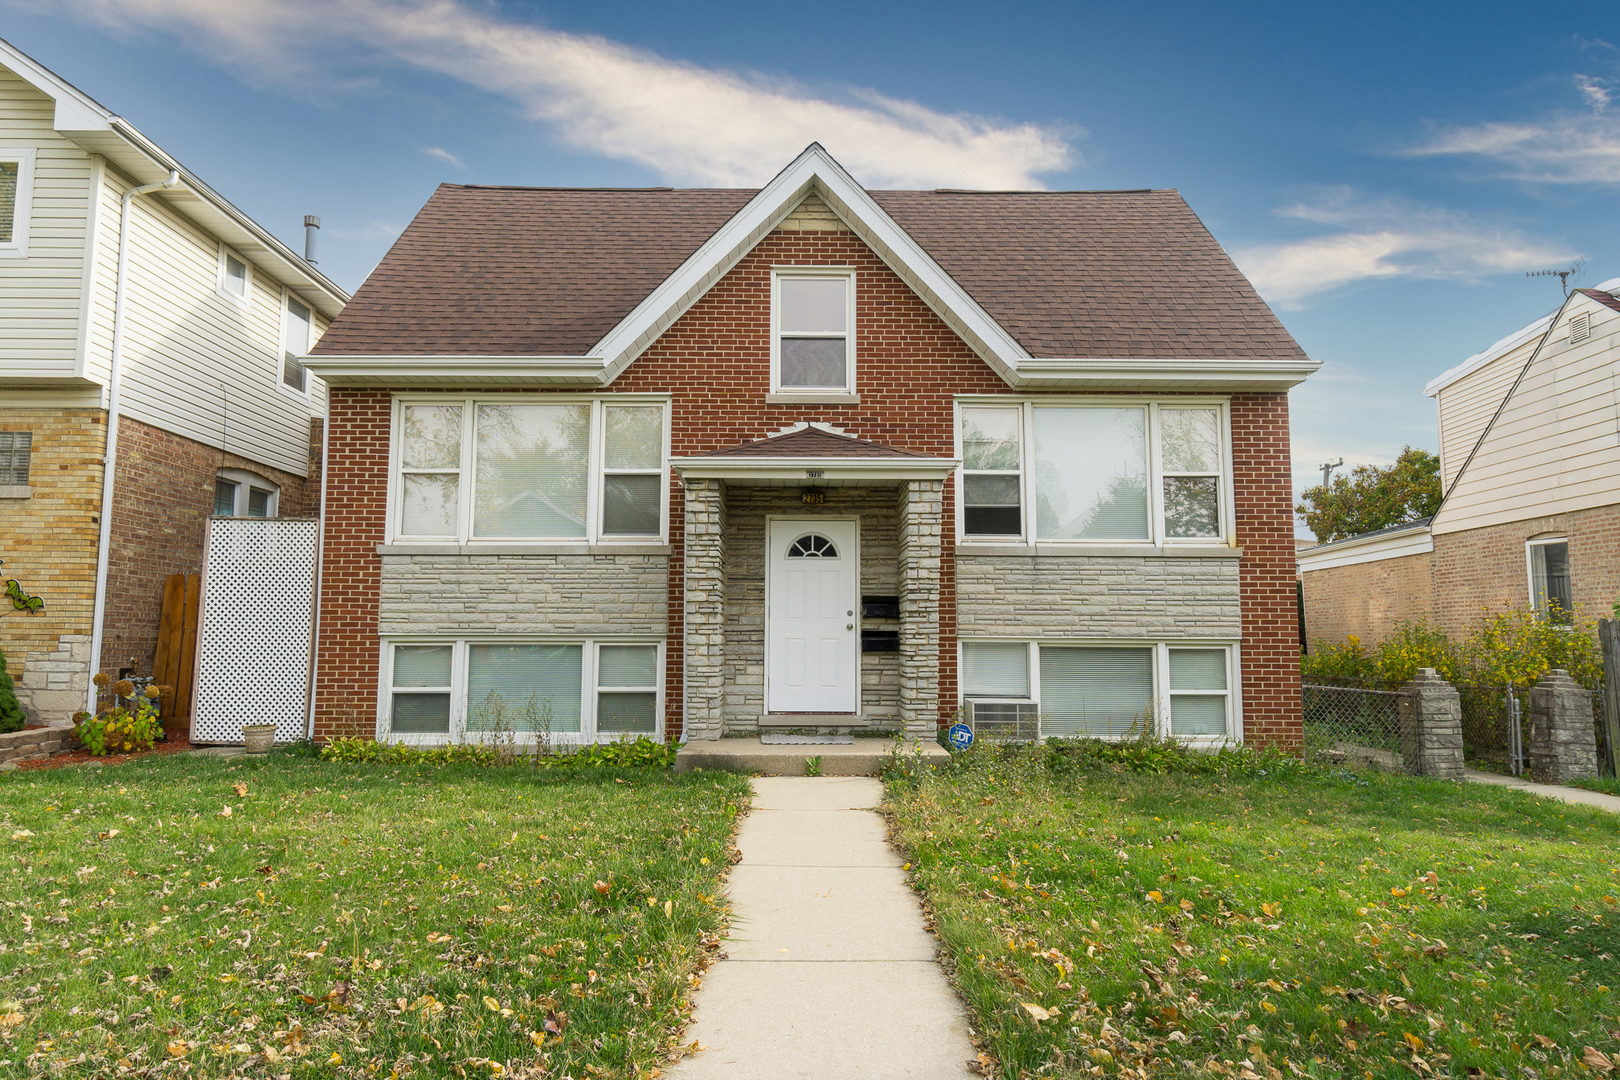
(812, 331)
(516, 468)
(1550, 591)
(1149, 472)
(235, 278)
(16, 189)
(238, 493)
(298, 332)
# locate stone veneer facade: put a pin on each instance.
(714, 363)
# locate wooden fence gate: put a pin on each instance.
(177, 648)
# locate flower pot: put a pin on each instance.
(258, 738)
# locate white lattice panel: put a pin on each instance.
(254, 633)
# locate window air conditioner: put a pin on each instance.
(1004, 719)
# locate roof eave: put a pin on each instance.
(813, 471)
(472, 371)
(1098, 373)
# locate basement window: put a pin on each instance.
(238, 493)
(15, 451)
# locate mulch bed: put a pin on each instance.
(173, 745)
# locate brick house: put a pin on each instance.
(1530, 469)
(116, 259)
(690, 463)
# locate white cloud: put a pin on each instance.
(1564, 148)
(1373, 240)
(687, 123)
(439, 153)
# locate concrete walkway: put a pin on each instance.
(830, 974)
(1549, 791)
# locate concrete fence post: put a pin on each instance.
(1431, 726)
(1563, 745)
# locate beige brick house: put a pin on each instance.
(1530, 463)
(130, 288)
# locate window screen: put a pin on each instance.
(224, 498)
(258, 502)
(15, 450)
(813, 324)
(627, 689)
(523, 688)
(9, 171)
(991, 461)
(430, 460)
(421, 690)
(1190, 451)
(1549, 581)
(632, 481)
(995, 669)
(1102, 691)
(1198, 692)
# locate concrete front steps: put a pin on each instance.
(863, 757)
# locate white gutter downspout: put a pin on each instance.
(109, 459)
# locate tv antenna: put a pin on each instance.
(1327, 468)
(1563, 276)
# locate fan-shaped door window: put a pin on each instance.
(812, 546)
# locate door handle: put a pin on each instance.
(849, 626)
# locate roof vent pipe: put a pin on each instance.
(311, 223)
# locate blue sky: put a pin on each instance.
(1385, 173)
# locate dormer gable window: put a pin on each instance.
(813, 331)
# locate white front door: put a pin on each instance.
(812, 631)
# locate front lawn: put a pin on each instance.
(1270, 922)
(289, 916)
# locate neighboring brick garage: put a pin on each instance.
(1368, 599)
(162, 500)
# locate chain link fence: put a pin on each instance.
(1351, 725)
(1496, 727)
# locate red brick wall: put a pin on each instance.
(162, 498)
(715, 363)
(351, 570)
(1263, 489)
(1367, 599)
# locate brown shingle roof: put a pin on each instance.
(812, 442)
(1608, 300)
(549, 271)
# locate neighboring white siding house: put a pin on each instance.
(205, 419)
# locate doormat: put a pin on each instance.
(776, 739)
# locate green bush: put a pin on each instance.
(12, 717)
(643, 753)
(1509, 648)
(119, 730)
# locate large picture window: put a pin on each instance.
(517, 469)
(1094, 472)
(526, 691)
(812, 336)
(1108, 690)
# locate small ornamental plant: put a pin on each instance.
(127, 717)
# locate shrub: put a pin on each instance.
(642, 753)
(1509, 648)
(12, 717)
(118, 730)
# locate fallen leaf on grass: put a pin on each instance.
(240, 788)
(434, 937)
(1597, 1059)
(178, 1049)
(555, 1022)
(1437, 951)
(1035, 1011)
(1412, 1040)
(10, 1020)
(22, 834)
(1271, 910)
(603, 887)
(226, 812)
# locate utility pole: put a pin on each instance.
(1327, 468)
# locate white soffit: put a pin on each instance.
(97, 131)
(1414, 541)
(1503, 347)
(811, 471)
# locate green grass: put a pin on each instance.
(1608, 785)
(1283, 923)
(354, 920)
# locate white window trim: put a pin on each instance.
(466, 487)
(849, 387)
(17, 248)
(282, 350)
(459, 658)
(245, 480)
(1530, 568)
(246, 299)
(1156, 540)
(1161, 679)
(1024, 487)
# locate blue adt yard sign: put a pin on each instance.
(961, 736)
